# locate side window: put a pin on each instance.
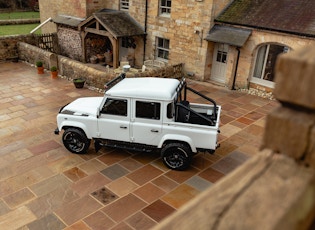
(149, 110)
(170, 109)
(115, 107)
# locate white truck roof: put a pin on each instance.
(145, 87)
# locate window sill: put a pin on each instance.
(261, 82)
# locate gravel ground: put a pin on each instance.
(258, 92)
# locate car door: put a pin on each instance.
(114, 120)
(146, 122)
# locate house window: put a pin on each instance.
(165, 7)
(124, 5)
(162, 48)
(221, 56)
(265, 62)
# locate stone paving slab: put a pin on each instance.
(42, 184)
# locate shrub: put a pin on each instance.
(53, 69)
(39, 64)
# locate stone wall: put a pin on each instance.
(75, 8)
(70, 43)
(32, 54)
(70, 69)
(9, 48)
(186, 45)
(19, 21)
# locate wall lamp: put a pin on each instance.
(200, 35)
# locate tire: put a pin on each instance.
(75, 141)
(176, 156)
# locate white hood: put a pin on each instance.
(83, 106)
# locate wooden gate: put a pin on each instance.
(48, 42)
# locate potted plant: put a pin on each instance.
(78, 82)
(40, 67)
(54, 72)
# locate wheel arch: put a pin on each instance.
(177, 139)
(77, 125)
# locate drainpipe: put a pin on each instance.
(145, 29)
(235, 72)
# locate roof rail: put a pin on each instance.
(114, 81)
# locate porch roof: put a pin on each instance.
(68, 20)
(117, 23)
(228, 35)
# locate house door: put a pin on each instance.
(219, 62)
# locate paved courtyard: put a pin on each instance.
(43, 186)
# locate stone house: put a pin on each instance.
(270, 27)
(234, 43)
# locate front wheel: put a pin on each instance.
(176, 156)
(75, 141)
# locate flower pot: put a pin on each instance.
(40, 70)
(78, 83)
(54, 74)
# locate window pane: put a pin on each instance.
(170, 110)
(223, 60)
(115, 107)
(219, 56)
(274, 51)
(148, 110)
(166, 44)
(160, 42)
(260, 62)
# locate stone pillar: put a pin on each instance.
(290, 129)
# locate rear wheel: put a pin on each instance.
(75, 141)
(176, 156)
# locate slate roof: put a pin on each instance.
(118, 23)
(228, 35)
(68, 20)
(288, 16)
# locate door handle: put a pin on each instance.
(154, 130)
(123, 127)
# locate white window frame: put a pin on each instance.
(165, 8)
(165, 49)
(124, 5)
(262, 57)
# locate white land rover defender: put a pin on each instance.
(143, 114)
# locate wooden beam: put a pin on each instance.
(99, 32)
